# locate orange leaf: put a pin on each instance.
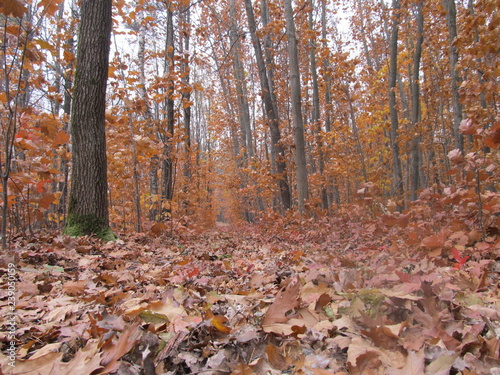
(46, 200)
(61, 138)
(434, 241)
(51, 6)
(218, 321)
(157, 228)
(16, 8)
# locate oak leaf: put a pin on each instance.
(287, 299)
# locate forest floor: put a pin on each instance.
(313, 297)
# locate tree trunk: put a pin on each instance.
(168, 165)
(298, 122)
(355, 132)
(415, 118)
(451, 19)
(316, 109)
(241, 89)
(393, 70)
(88, 200)
(276, 148)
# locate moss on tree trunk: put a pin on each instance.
(85, 225)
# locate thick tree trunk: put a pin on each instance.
(298, 122)
(88, 201)
(276, 148)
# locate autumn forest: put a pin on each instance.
(305, 134)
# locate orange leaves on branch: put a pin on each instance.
(46, 200)
(61, 138)
(493, 136)
(467, 127)
(15, 8)
(50, 6)
(456, 156)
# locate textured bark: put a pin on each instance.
(316, 108)
(355, 132)
(241, 89)
(272, 115)
(415, 118)
(393, 68)
(168, 166)
(186, 93)
(451, 19)
(298, 122)
(88, 202)
(327, 68)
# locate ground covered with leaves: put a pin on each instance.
(294, 296)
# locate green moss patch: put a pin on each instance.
(86, 225)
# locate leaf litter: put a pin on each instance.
(321, 298)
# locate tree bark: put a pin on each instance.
(88, 201)
(298, 121)
(393, 70)
(168, 166)
(451, 19)
(416, 113)
(316, 109)
(276, 148)
(241, 89)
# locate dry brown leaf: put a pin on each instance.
(242, 369)
(112, 352)
(287, 299)
(39, 366)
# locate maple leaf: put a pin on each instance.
(459, 258)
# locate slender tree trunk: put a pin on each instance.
(393, 133)
(88, 201)
(355, 131)
(137, 190)
(186, 91)
(451, 19)
(241, 89)
(298, 121)
(316, 113)
(416, 113)
(272, 116)
(168, 165)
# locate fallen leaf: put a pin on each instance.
(287, 299)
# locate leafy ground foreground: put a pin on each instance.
(326, 296)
